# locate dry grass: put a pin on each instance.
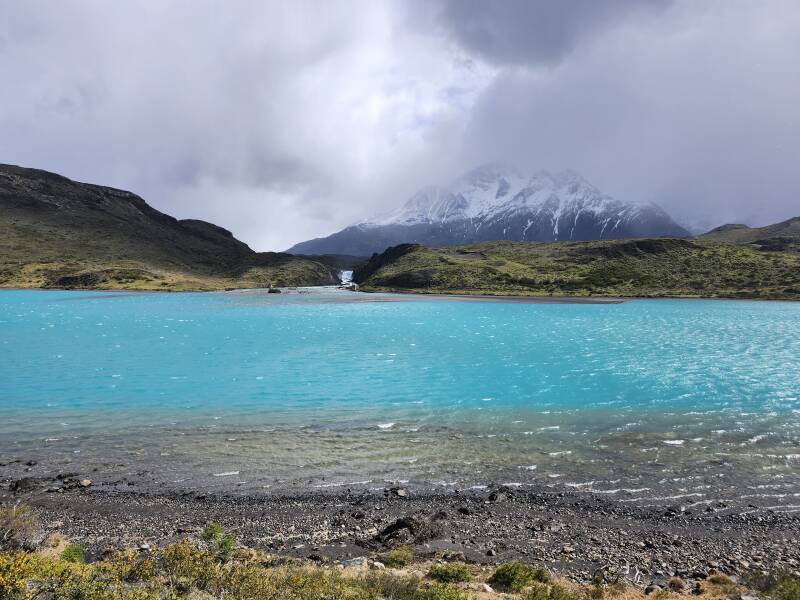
(211, 567)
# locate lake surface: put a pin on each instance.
(649, 401)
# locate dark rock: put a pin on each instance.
(81, 280)
(25, 484)
(409, 529)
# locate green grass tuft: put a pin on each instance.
(73, 553)
(220, 542)
(400, 557)
(516, 576)
(450, 572)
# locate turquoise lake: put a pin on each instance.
(649, 400)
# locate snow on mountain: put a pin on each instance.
(495, 202)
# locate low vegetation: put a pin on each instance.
(517, 576)
(19, 528)
(454, 572)
(190, 570)
(399, 557)
(556, 591)
(660, 267)
(73, 553)
(186, 570)
(220, 542)
(214, 567)
(57, 233)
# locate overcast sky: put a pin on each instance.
(290, 120)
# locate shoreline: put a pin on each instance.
(405, 295)
(571, 534)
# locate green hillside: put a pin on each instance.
(654, 267)
(783, 236)
(55, 232)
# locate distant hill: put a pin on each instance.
(780, 236)
(496, 202)
(649, 267)
(55, 232)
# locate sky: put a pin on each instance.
(283, 121)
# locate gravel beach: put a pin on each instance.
(576, 535)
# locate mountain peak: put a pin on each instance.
(494, 201)
(488, 173)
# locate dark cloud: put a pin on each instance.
(534, 32)
(696, 110)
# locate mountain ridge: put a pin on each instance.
(495, 202)
(56, 232)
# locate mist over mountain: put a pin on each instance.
(498, 202)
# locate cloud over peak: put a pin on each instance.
(285, 121)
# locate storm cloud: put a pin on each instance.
(535, 32)
(286, 121)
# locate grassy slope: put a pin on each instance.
(188, 571)
(59, 233)
(648, 267)
(786, 232)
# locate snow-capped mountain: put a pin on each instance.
(496, 202)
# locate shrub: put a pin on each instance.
(516, 576)
(596, 591)
(19, 528)
(450, 572)
(676, 584)
(13, 570)
(718, 579)
(538, 591)
(399, 557)
(73, 553)
(131, 566)
(383, 584)
(187, 566)
(561, 592)
(220, 542)
(439, 591)
(542, 591)
(786, 589)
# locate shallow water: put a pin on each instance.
(650, 401)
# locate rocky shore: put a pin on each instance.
(578, 536)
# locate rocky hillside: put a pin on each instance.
(55, 232)
(496, 202)
(650, 267)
